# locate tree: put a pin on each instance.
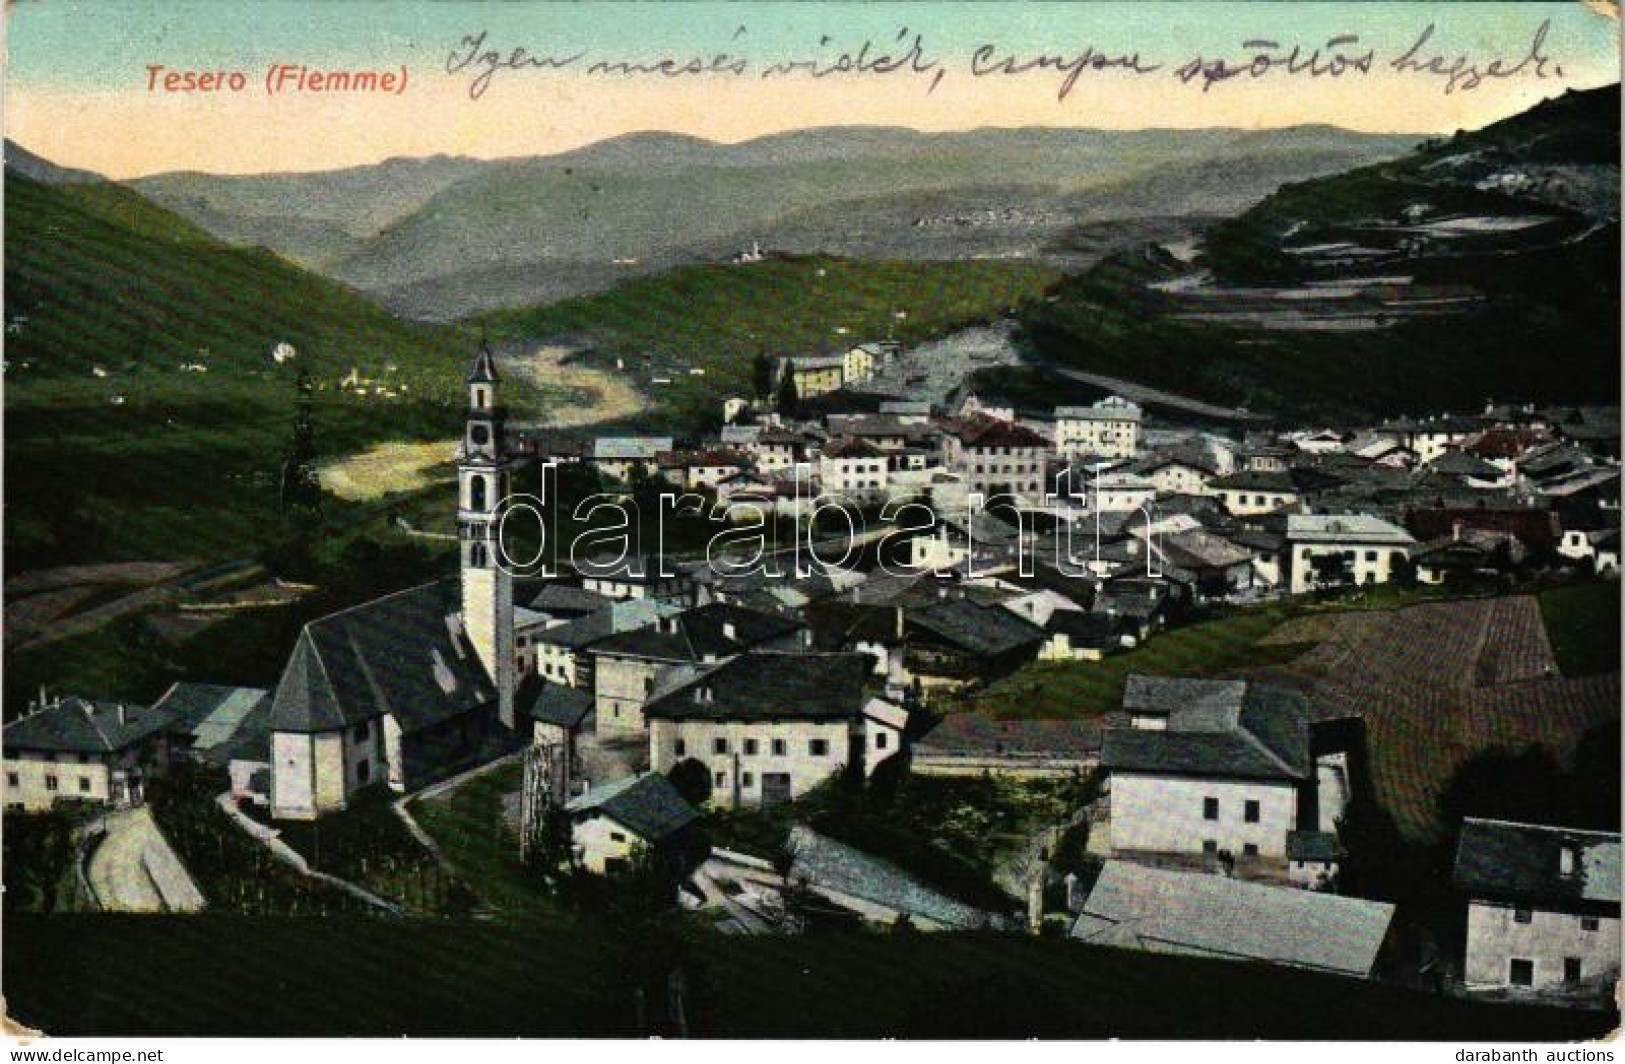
(762, 376)
(789, 399)
(692, 780)
(300, 490)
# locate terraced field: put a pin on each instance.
(1437, 683)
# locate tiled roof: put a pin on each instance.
(80, 725)
(554, 703)
(978, 629)
(982, 432)
(211, 712)
(704, 633)
(770, 685)
(824, 862)
(1344, 528)
(1508, 861)
(973, 733)
(1223, 728)
(649, 806)
(1311, 846)
(396, 656)
(1195, 912)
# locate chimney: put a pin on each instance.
(123, 713)
(1035, 903)
(1455, 530)
(1073, 902)
(729, 632)
(1568, 859)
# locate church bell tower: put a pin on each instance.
(482, 484)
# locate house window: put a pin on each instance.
(1587, 923)
(880, 740)
(1210, 846)
(721, 779)
(84, 784)
(1572, 970)
(1249, 849)
(747, 780)
(363, 771)
(680, 748)
(362, 730)
(818, 748)
(719, 745)
(1521, 916)
(11, 779)
(1370, 555)
(1250, 811)
(750, 747)
(84, 759)
(617, 836)
(1210, 809)
(50, 783)
(778, 748)
(1521, 972)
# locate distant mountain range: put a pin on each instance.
(445, 237)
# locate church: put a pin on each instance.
(417, 685)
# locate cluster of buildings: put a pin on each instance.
(1222, 796)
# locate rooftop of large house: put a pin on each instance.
(84, 726)
(704, 633)
(404, 655)
(982, 630)
(1163, 910)
(1217, 728)
(212, 713)
(649, 806)
(625, 615)
(966, 734)
(1345, 528)
(1537, 864)
(770, 685)
(985, 432)
(1111, 408)
(642, 447)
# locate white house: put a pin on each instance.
(1542, 907)
(769, 726)
(615, 822)
(852, 468)
(1109, 428)
(74, 749)
(1207, 768)
(997, 458)
(1340, 550)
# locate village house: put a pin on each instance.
(1206, 768)
(75, 749)
(620, 457)
(1467, 553)
(769, 725)
(700, 469)
(1249, 494)
(621, 578)
(1109, 428)
(876, 890)
(996, 457)
(205, 717)
(1185, 470)
(778, 448)
(814, 374)
(1542, 907)
(560, 655)
(1162, 910)
(628, 666)
(636, 817)
(1343, 550)
(852, 468)
(558, 716)
(1311, 859)
(956, 641)
(1076, 635)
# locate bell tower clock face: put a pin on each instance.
(480, 434)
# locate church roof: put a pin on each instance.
(484, 370)
(402, 655)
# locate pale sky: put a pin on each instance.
(78, 79)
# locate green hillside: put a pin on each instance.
(114, 451)
(718, 318)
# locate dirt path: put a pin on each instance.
(134, 869)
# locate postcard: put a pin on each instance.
(799, 521)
